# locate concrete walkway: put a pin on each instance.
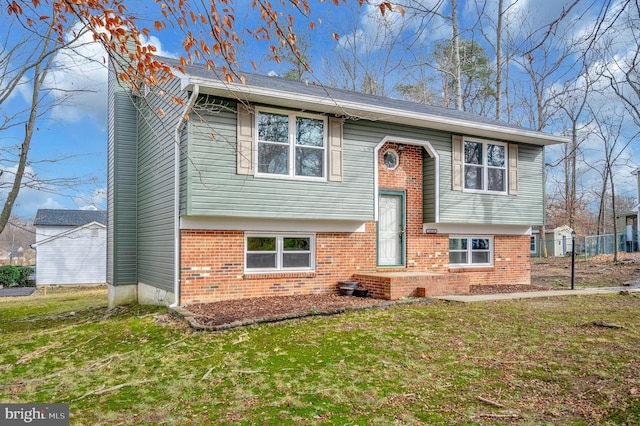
(535, 294)
(16, 291)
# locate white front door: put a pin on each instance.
(390, 231)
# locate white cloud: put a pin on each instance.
(22, 89)
(78, 79)
(95, 200)
(29, 199)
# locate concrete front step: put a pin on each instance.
(395, 285)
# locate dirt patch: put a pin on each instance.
(508, 288)
(598, 271)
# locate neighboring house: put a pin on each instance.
(71, 246)
(301, 187)
(559, 242)
(627, 227)
(16, 257)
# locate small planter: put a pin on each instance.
(360, 292)
(350, 284)
(346, 291)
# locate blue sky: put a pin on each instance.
(75, 130)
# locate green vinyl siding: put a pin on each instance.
(121, 185)
(526, 208)
(215, 189)
(156, 188)
(429, 195)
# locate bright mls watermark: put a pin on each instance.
(34, 414)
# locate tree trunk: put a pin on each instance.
(457, 84)
(499, 62)
(40, 71)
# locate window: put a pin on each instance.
(534, 243)
(390, 159)
(279, 253)
(485, 166)
(291, 145)
(470, 251)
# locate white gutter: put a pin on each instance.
(176, 196)
(371, 112)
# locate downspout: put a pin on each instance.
(176, 195)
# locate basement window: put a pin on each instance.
(270, 253)
(470, 251)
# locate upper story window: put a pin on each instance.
(292, 145)
(485, 166)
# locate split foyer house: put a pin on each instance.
(275, 187)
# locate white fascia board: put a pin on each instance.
(66, 233)
(225, 223)
(476, 229)
(329, 105)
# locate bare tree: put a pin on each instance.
(610, 131)
(369, 59)
(25, 64)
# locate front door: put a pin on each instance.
(391, 230)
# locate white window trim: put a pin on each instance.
(279, 251)
(535, 244)
(292, 144)
(485, 166)
(469, 252)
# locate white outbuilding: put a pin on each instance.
(71, 246)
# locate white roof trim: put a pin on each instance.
(70, 231)
(327, 104)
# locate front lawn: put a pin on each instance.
(562, 360)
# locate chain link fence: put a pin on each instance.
(588, 246)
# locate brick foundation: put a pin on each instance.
(212, 262)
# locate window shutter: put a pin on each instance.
(513, 169)
(456, 162)
(335, 149)
(245, 140)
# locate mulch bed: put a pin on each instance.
(236, 313)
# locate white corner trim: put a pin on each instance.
(247, 224)
(476, 229)
(405, 141)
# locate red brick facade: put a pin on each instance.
(212, 262)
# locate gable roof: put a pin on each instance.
(58, 217)
(69, 232)
(294, 94)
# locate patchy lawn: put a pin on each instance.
(562, 360)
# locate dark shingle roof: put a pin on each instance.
(284, 85)
(57, 217)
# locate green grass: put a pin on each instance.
(534, 361)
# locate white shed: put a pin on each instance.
(69, 251)
(561, 240)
